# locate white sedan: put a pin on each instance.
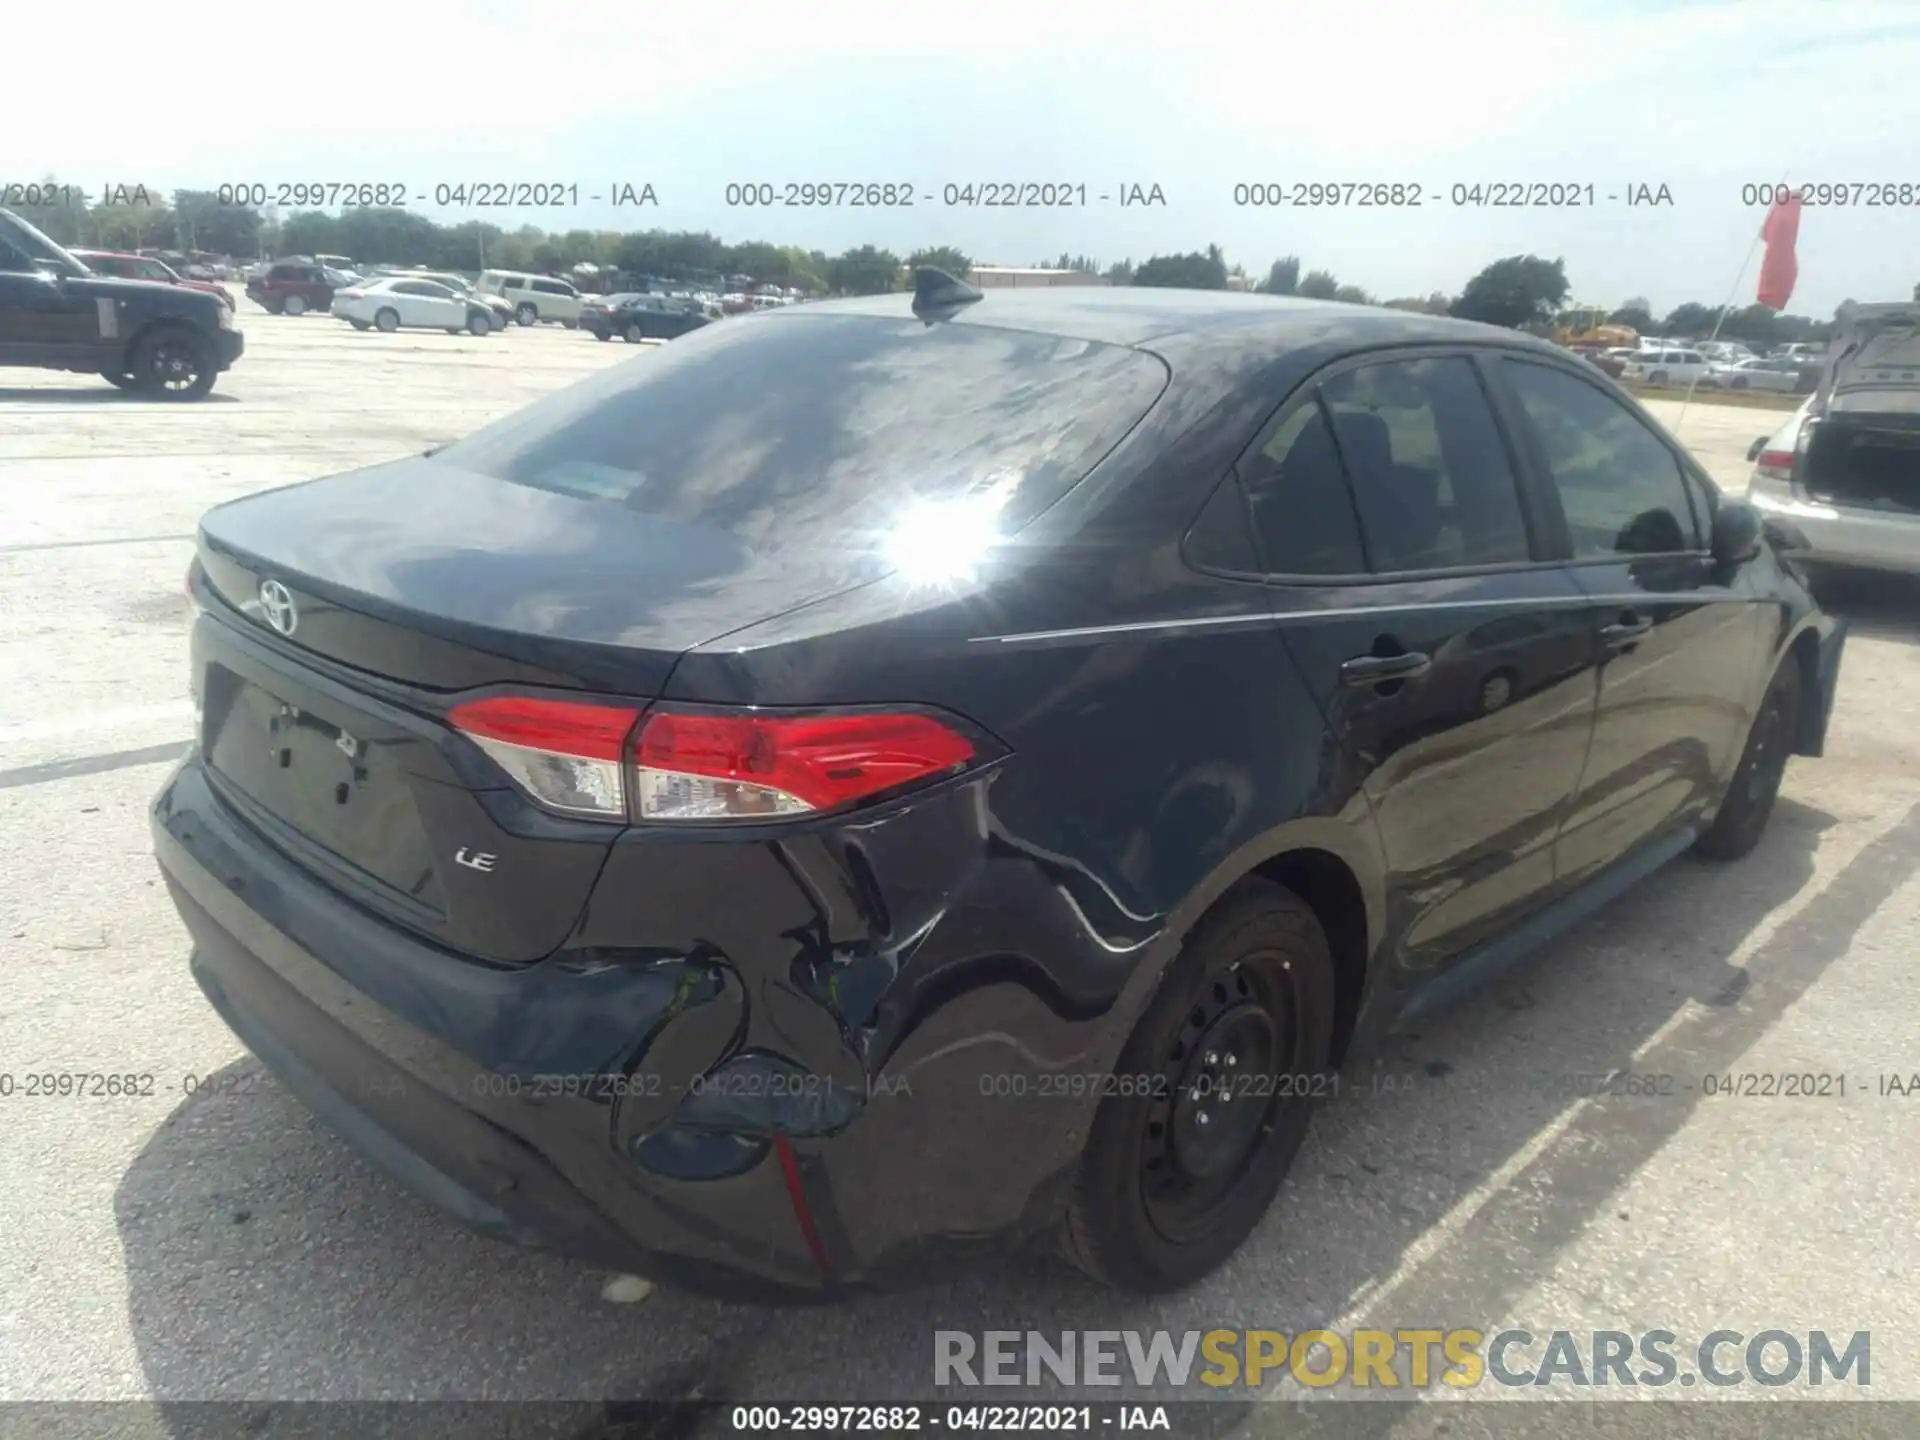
(392, 302)
(1781, 375)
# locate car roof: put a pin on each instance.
(1204, 320)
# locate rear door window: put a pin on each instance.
(836, 429)
(1303, 515)
(1431, 477)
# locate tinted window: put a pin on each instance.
(552, 287)
(1619, 484)
(831, 426)
(1429, 471)
(1302, 513)
(1219, 539)
(514, 282)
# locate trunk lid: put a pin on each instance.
(423, 572)
(412, 584)
(1873, 364)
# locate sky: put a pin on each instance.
(1701, 98)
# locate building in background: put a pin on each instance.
(989, 277)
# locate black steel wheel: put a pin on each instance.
(1216, 1087)
(173, 363)
(1763, 765)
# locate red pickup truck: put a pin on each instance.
(122, 266)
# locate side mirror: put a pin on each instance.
(1738, 530)
(1753, 450)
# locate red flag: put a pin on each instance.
(1779, 270)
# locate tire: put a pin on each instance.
(1159, 1201)
(602, 334)
(1739, 382)
(294, 305)
(525, 313)
(569, 324)
(1658, 378)
(633, 334)
(479, 322)
(172, 362)
(1756, 783)
(359, 324)
(386, 320)
(121, 379)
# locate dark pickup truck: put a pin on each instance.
(162, 340)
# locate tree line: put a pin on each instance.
(1518, 291)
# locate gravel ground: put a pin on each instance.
(229, 1247)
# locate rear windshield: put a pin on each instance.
(812, 428)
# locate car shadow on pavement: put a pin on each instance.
(265, 1261)
(107, 396)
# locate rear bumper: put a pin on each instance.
(544, 1103)
(1841, 535)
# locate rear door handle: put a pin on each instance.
(1625, 631)
(1377, 669)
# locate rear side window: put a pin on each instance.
(1302, 512)
(830, 429)
(552, 287)
(514, 282)
(1618, 482)
(1430, 473)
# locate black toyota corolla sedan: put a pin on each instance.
(881, 780)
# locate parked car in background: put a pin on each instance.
(635, 317)
(145, 267)
(167, 341)
(536, 299)
(1665, 367)
(1724, 352)
(295, 286)
(498, 306)
(1804, 352)
(1760, 374)
(398, 301)
(1844, 472)
(850, 719)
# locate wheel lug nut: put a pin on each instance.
(1213, 1057)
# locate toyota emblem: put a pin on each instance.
(277, 605)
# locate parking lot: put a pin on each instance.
(223, 1244)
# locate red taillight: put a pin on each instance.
(705, 766)
(566, 755)
(1775, 460)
